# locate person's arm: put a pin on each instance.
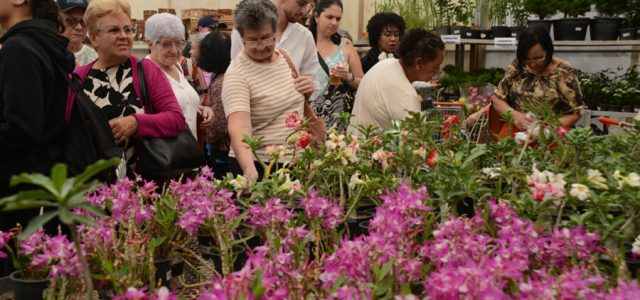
(236, 44)
(569, 120)
(23, 112)
(520, 120)
(400, 100)
(239, 126)
(310, 65)
(167, 119)
(355, 66)
(572, 93)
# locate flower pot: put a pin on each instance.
(353, 222)
(214, 256)
(457, 30)
(627, 108)
(442, 30)
(177, 266)
(364, 226)
(605, 29)
(486, 34)
(570, 29)
(634, 266)
(28, 289)
(544, 24)
(471, 34)
(501, 31)
(628, 33)
(515, 31)
(163, 272)
(205, 239)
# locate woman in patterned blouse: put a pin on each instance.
(112, 80)
(538, 77)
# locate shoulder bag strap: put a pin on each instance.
(142, 84)
(323, 64)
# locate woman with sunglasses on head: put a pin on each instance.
(165, 36)
(537, 76)
(72, 14)
(112, 81)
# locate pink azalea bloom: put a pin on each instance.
(5, 237)
(294, 121)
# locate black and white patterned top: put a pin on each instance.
(112, 90)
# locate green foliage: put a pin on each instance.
(454, 12)
(573, 8)
(610, 8)
(519, 15)
(416, 13)
(605, 87)
(541, 8)
(632, 13)
(498, 11)
(455, 78)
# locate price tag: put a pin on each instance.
(505, 41)
(451, 38)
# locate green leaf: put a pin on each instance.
(384, 271)
(258, 289)
(78, 219)
(94, 210)
(59, 175)
(475, 153)
(406, 290)
(66, 216)
(384, 286)
(38, 180)
(96, 168)
(37, 223)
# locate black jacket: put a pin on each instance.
(33, 97)
(370, 59)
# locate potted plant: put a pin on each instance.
(519, 16)
(607, 25)
(543, 9)
(416, 13)
(453, 16)
(498, 10)
(630, 29)
(571, 28)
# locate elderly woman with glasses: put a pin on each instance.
(259, 89)
(112, 81)
(165, 36)
(72, 14)
(537, 76)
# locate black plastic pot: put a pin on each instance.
(27, 289)
(627, 108)
(457, 30)
(628, 33)
(163, 272)
(471, 34)
(605, 29)
(442, 30)
(486, 34)
(353, 224)
(501, 31)
(177, 266)
(214, 256)
(570, 29)
(515, 31)
(205, 239)
(634, 267)
(544, 24)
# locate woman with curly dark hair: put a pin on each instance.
(385, 31)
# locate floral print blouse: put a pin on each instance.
(560, 89)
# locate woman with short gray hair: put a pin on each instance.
(165, 36)
(261, 89)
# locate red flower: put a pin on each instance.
(303, 141)
(561, 131)
(294, 121)
(433, 155)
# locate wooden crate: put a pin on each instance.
(167, 10)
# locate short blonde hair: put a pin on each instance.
(100, 8)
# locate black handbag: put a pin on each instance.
(169, 157)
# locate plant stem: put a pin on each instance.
(564, 202)
(88, 284)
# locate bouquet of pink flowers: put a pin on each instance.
(475, 98)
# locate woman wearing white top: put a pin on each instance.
(165, 36)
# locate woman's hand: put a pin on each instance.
(123, 128)
(342, 71)
(304, 85)
(207, 116)
(520, 120)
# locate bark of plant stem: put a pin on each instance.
(88, 284)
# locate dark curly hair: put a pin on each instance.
(379, 22)
(321, 6)
(215, 51)
(419, 43)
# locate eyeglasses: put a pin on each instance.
(168, 45)
(535, 59)
(115, 31)
(72, 22)
(267, 42)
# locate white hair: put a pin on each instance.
(163, 25)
